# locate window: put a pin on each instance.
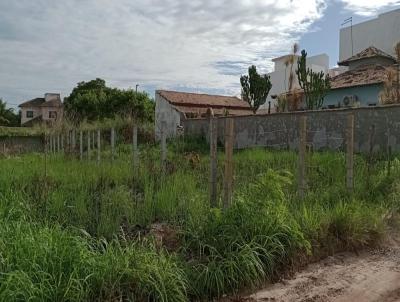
(29, 114)
(52, 114)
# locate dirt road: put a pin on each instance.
(373, 276)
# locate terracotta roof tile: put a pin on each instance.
(364, 75)
(369, 52)
(184, 99)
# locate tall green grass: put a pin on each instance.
(79, 231)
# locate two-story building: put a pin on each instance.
(48, 109)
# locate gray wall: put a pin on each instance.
(20, 144)
(165, 112)
(325, 129)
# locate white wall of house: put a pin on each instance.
(50, 117)
(382, 32)
(165, 113)
(36, 111)
(41, 111)
(280, 75)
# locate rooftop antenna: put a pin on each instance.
(347, 21)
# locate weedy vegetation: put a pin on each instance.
(75, 230)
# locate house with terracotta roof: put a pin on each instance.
(172, 107)
(48, 109)
(362, 84)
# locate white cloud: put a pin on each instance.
(369, 7)
(50, 45)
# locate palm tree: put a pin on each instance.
(4, 113)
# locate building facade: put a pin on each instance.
(382, 32)
(48, 109)
(363, 83)
(280, 76)
(173, 107)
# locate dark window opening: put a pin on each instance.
(29, 114)
(52, 114)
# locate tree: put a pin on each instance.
(7, 115)
(93, 100)
(255, 88)
(290, 60)
(314, 84)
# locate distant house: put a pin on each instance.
(280, 76)
(48, 109)
(363, 82)
(172, 107)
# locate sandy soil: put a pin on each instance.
(373, 276)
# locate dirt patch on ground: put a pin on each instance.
(372, 276)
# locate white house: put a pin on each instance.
(280, 75)
(48, 109)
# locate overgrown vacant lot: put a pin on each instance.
(79, 231)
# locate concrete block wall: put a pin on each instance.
(326, 129)
(21, 144)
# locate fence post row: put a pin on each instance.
(302, 155)
(213, 160)
(350, 153)
(163, 147)
(228, 176)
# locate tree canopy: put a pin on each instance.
(255, 88)
(314, 84)
(94, 100)
(7, 116)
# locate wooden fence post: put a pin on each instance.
(112, 144)
(81, 144)
(228, 175)
(213, 160)
(93, 139)
(135, 154)
(163, 147)
(350, 153)
(68, 147)
(50, 143)
(98, 146)
(302, 156)
(58, 143)
(73, 141)
(62, 143)
(88, 144)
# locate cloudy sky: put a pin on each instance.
(197, 45)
